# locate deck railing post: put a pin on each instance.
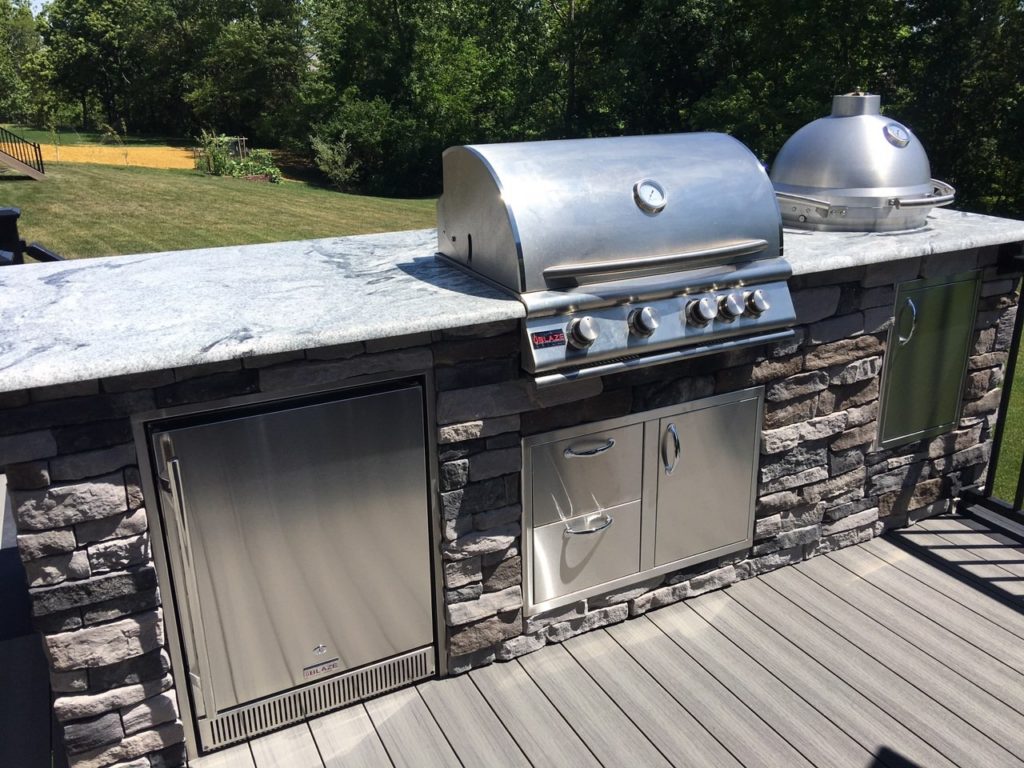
(1001, 416)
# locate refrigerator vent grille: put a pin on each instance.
(267, 715)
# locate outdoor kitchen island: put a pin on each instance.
(91, 349)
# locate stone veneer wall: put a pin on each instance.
(82, 524)
(821, 487)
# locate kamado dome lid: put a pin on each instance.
(856, 170)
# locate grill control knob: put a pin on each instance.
(757, 303)
(644, 321)
(731, 306)
(583, 332)
(701, 311)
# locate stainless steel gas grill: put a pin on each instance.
(626, 252)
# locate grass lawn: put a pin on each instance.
(1012, 451)
(98, 210)
(71, 137)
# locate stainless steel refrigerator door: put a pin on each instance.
(299, 542)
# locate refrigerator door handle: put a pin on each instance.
(195, 649)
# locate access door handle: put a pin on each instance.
(670, 462)
(194, 635)
(572, 453)
(900, 338)
(591, 524)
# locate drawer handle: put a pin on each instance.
(670, 467)
(569, 453)
(904, 340)
(592, 523)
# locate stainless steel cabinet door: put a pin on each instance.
(565, 561)
(300, 542)
(926, 358)
(707, 466)
(586, 473)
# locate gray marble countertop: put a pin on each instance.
(89, 319)
(947, 231)
(93, 318)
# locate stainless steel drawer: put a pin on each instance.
(564, 562)
(586, 473)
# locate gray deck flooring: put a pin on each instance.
(908, 650)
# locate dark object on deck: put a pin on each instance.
(12, 248)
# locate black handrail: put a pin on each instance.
(984, 495)
(24, 151)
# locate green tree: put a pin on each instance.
(247, 78)
(963, 97)
(19, 40)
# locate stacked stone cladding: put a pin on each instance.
(821, 484)
(83, 527)
(83, 536)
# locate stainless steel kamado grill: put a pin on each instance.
(856, 171)
(626, 252)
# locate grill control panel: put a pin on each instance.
(627, 329)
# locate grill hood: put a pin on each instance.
(541, 216)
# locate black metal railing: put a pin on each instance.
(24, 151)
(1007, 458)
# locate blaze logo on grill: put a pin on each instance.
(555, 337)
(321, 669)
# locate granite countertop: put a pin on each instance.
(88, 319)
(946, 231)
(94, 318)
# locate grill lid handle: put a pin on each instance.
(824, 206)
(942, 194)
(573, 272)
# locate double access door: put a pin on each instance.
(613, 502)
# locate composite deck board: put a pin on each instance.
(291, 748)
(676, 734)
(901, 651)
(914, 600)
(933, 639)
(942, 728)
(347, 739)
(538, 728)
(609, 733)
(816, 737)
(239, 756)
(737, 727)
(989, 574)
(862, 719)
(966, 592)
(973, 703)
(979, 542)
(409, 732)
(474, 731)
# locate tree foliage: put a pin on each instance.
(18, 42)
(376, 89)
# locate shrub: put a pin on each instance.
(334, 160)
